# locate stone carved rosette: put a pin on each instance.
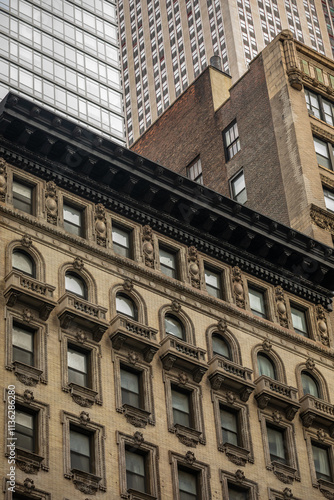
(322, 325)
(281, 307)
(51, 202)
(148, 246)
(3, 180)
(193, 267)
(100, 223)
(238, 287)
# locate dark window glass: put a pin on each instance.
(237, 493)
(126, 306)
(22, 197)
(256, 301)
(181, 403)
(135, 471)
(321, 462)
(219, 346)
(276, 444)
(194, 171)
(310, 385)
(75, 284)
(319, 107)
(232, 142)
(80, 446)
(213, 283)
(72, 220)
(299, 321)
(329, 199)
(322, 153)
(238, 187)
(21, 261)
(229, 425)
(77, 366)
(25, 430)
(187, 485)
(130, 386)
(168, 263)
(23, 344)
(174, 326)
(121, 241)
(266, 366)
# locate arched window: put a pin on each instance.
(75, 284)
(310, 385)
(266, 366)
(173, 326)
(21, 261)
(220, 346)
(126, 306)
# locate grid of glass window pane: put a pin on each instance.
(299, 321)
(276, 444)
(266, 366)
(173, 326)
(270, 19)
(194, 171)
(322, 153)
(247, 29)
(218, 32)
(23, 262)
(23, 344)
(292, 14)
(168, 263)
(220, 347)
(24, 430)
(313, 25)
(232, 141)
(310, 385)
(22, 196)
(256, 302)
(77, 367)
(237, 493)
(80, 451)
(229, 425)
(238, 187)
(125, 305)
(181, 408)
(329, 199)
(66, 56)
(72, 220)
(121, 241)
(187, 485)
(213, 283)
(319, 107)
(130, 387)
(321, 462)
(75, 284)
(135, 471)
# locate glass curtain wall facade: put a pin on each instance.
(65, 55)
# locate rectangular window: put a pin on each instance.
(168, 264)
(299, 321)
(73, 220)
(135, 471)
(329, 199)
(25, 427)
(23, 344)
(320, 107)
(231, 141)
(80, 446)
(237, 493)
(324, 153)
(321, 462)
(276, 444)
(256, 302)
(213, 283)
(130, 387)
(238, 188)
(229, 425)
(181, 404)
(187, 485)
(78, 366)
(22, 197)
(121, 239)
(194, 171)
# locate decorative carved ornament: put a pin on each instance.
(287, 493)
(3, 179)
(322, 133)
(26, 241)
(100, 225)
(176, 306)
(148, 246)
(128, 285)
(84, 418)
(222, 326)
(310, 364)
(322, 325)
(239, 475)
(267, 345)
(138, 437)
(27, 315)
(190, 457)
(28, 396)
(51, 203)
(238, 287)
(29, 484)
(326, 181)
(291, 60)
(78, 263)
(281, 307)
(322, 218)
(193, 267)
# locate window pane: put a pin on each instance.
(77, 367)
(239, 188)
(256, 301)
(72, 220)
(322, 154)
(299, 321)
(135, 471)
(121, 241)
(329, 199)
(75, 285)
(229, 426)
(310, 386)
(276, 444)
(22, 262)
(80, 443)
(181, 408)
(80, 451)
(24, 430)
(187, 485)
(266, 366)
(235, 493)
(23, 345)
(213, 283)
(220, 347)
(22, 197)
(167, 263)
(130, 386)
(124, 305)
(321, 462)
(174, 327)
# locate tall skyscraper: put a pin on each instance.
(166, 44)
(66, 55)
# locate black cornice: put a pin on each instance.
(56, 149)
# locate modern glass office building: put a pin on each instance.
(65, 55)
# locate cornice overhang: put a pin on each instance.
(53, 148)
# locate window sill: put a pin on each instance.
(186, 435)
(85, 481)
(139, 495)
(226, 374)
(276, 394)
(136, 416)
(235, 454)
(175, 353)
(284, 473)
(29, 462)
(326, 488)
(83, 396)
(28, 375)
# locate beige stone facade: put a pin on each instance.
(89, 323)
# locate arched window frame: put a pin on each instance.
(172, 316)
(80, 279)
(130, 299)
(32, 260)
(30, 250)
(228, 337)
(135, 296)
(318, 377)
(180, 315)
(274, 358)
(81, 273)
